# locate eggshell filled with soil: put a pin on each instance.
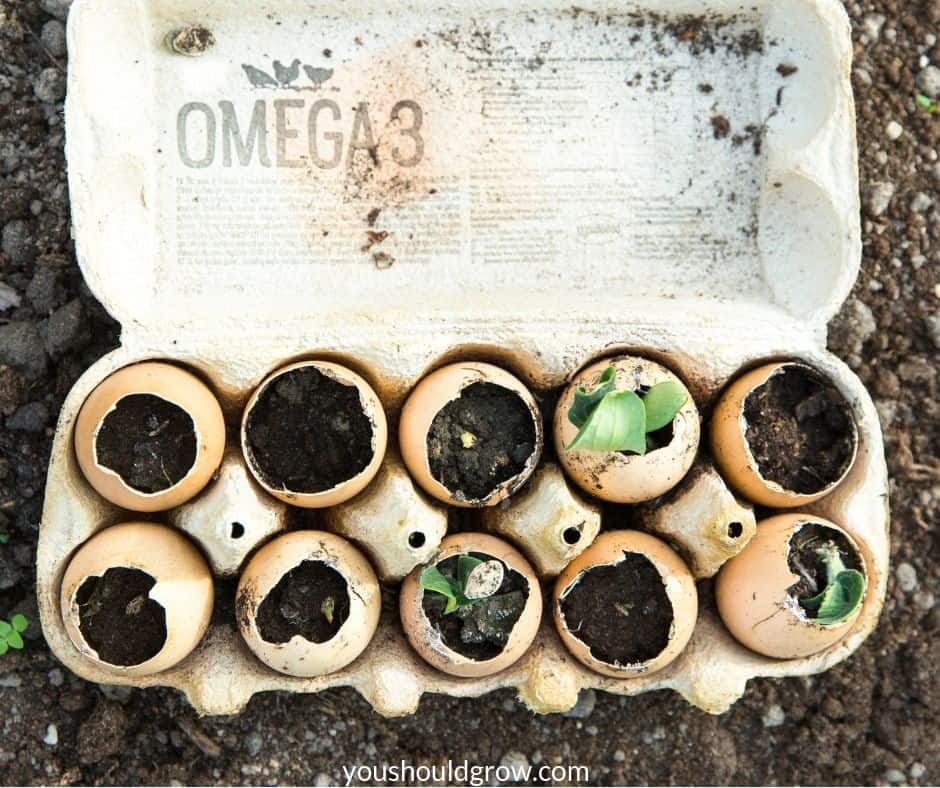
(149, 437)
(470, 434)
(136, 598)
(627, 605)
(758, 590)
(626, 477)
(314, 434)
(783, 435)
(482, 638)
(308, 603)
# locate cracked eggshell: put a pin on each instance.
(170, 383)
(299, 656)
(733, 454)
(753, 598)
(617, 477)
(371, 406)
(184, 588)
(609, 549)
(427, 641)
(431, 394)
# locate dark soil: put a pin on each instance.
(870, 720)
(311, 600)
(149, 442)
(117, 617)
(800, 430)
(480, 440)
(478, 631)
(620, 611)
(308, 433)
(804, 560)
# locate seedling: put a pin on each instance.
(10, 633)
(476, 580)
(612, 420)
(927, 103)
(844, 591)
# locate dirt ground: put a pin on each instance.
(873, 719)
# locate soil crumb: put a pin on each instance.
(192, 41)
(800, 430)
(149, 442)
(620, 611)
(481, 630)
(805, 562)
(721, 128)
(479, 440)
(308, 433)
(118, 619)
(311, 600)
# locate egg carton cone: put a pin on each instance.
(395, 187)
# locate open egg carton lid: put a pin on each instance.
(370, 166)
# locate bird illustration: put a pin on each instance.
(258, 78)
(286, 74)
(318, 75)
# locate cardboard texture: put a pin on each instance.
(535, 184)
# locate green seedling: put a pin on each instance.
(927, 103)
(11, 633)
(612, 420)
(476, 580)
(844, 591)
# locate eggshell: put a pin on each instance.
(609, 549)
(299, 656)
(753, 599)
(733, 454)
(184, 588)
(426, 639)
(174, 385)
(431, 394)
(618, 477)
(371, 406)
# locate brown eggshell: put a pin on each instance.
(733, 454)
(609, 549)
(373, 410)
(431, 394)
(426, 639)
(753, 599)
(184, 588)
(618, 477)
(174, 385)
(299, 656)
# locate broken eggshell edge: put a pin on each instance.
(427, 640)
(428, 397)
(184, 588)
(371, 406)
(169, 383)
(732, 452)
(299, 656)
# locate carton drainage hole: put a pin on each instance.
(735, 530)
(480, 440)
(799, 430)
(118, 619)
(479, 631)
(238, 530)
(805, 562)
(149, 442)
(308, 433)
(620, 611)
(310, 600)
(416, 539)
(571, 535)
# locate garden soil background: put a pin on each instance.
(872, 719)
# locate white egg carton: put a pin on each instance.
(573, 197)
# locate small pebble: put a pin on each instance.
(56, 677)
(895, 776)
(925, 600)
(323, 779)
(917, 771)
(587, 698)
(515, 761)
(894, 130)
(50, 85)
(52, 736)
(774, 717)
(620, 756)
(921, 203)
(53, 37)
(906, 576)
(878, 198)
(58, 8)
(928, 80)
(32, 417)
(872, 24)
(253, 744)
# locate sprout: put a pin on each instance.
(844, 591)
(10, 633)
(476, 580)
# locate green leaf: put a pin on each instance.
(14, 640)
(431, 579)
(19, 622)
(618, 423)
(585, 401)
(923, 100)
(465, 565)
(662, 403)
(5, 629)
(3, 646)
(839, 599)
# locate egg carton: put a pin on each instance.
(537, 186)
